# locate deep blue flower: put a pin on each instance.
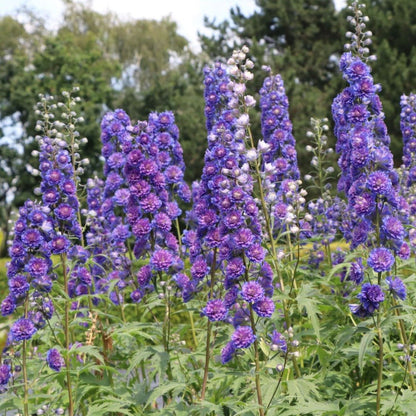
(137, 295)
(5, 374)
(32, 238)
(59, 244)
(227, 352)
(381, 259)
(264, 307)
(18, 286)
(243, 337)
(370, 297)
(54, 359)
(356, 273)
(22, 329)
(252, 292)
(8, 305)
(215, 310)
(396, 287)
(162, 260)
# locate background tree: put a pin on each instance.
(393, 24)
(140, 65)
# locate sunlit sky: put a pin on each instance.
(189, 14)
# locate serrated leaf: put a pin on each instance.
(307, 299)
(302, 388)
(88, 350)
(163, 389)
(108, 407)
(317, 408)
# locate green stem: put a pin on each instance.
(166, 329)
(278, 384)
(178, 231)
(266, 214)
(191, 320)
(207, 357)
(67, 338)
(257, 364)
(24, 365)
(380, 366)
(25, 382)
(209, 326)
(380, 355)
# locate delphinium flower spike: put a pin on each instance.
(108, 228)
(153, 174)
(226, 245)
(367, 175)
(368, 178)
(281, 196)
(408, 170)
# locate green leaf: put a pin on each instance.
(108, 407)
(307, 299)
(163, 389)
(364, 344)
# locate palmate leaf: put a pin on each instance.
(110, 405)
(304, 389)
(11, 403)
(141, 330)
(159, 391)
(139, 357)
(89, 350)
(307, 300)
(206, 408)
(405, 403)
(312, 408)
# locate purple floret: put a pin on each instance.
(54, 359)
(243, 337)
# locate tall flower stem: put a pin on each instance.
(209, 327)
(380, 355)
(257, 364)
(178, 231)
(67, 338)
(380, 365)
(191, 320)
(25, 381)
(278, 384)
